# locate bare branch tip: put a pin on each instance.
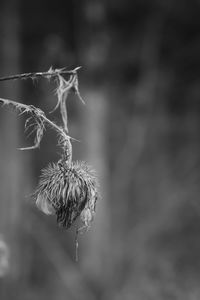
(78, 68)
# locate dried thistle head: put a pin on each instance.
(68, 190)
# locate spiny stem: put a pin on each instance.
(33, 109)
(67, 144)
(64, 87)
(40, 115)
(50, 73)
(54, 126)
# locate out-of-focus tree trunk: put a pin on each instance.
(11, 165)
(93, 46)
(95, 136)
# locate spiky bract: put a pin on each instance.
(68, 190)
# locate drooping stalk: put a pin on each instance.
(48, 74)
(66, 188)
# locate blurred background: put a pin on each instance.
(140, 129)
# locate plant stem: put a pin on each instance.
(50, 73)
(38, 113)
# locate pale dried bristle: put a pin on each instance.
(68, 190)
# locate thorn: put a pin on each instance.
(28, 148)
(77, 68)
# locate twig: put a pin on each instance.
(63, 89)
(50, 73)
(78, 230)
(40, 118)
(35, 110)
(76, 245)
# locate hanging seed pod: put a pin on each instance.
(68, 190)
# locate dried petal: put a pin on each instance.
(44, 205)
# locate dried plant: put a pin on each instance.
(66, 188)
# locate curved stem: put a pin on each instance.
(40, 115)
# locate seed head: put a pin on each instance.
(68, 190)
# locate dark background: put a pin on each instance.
(140, 129)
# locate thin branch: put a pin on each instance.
(48, 74)
(63, 89)
(40, 119)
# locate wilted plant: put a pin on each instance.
(66, 188)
